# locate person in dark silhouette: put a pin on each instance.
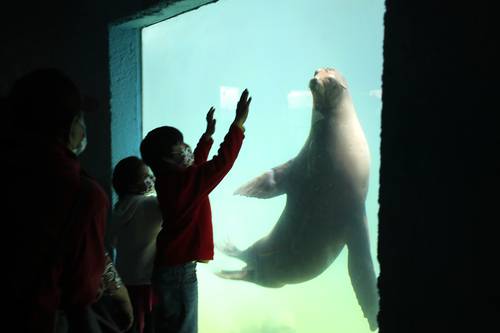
(135, 224)
(183, 183)
(52, 265)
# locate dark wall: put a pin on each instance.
(440, 139)
(71, 35)
(439, 168)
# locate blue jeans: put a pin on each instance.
(177, 291)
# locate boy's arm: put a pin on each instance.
(202, 149)
(213, 171)
(206, 141)
(209, 174)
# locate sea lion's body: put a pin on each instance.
(326, 186)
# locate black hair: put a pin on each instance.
(126, 174)
(44, 103)
(158, 143)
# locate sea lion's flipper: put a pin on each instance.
(361, 271)
(229, 249)
(242, 274)
(268, 185)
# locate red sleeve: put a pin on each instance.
(86, 264)
(209, 174)
(202, 150)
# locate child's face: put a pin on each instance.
(145, 180)
(182, 155)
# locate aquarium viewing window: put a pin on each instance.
(206, 57)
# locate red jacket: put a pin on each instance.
(186, 233)
(40, 277)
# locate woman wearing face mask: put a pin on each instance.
(59, 259)
(135, 223)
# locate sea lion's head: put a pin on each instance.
(327, 86)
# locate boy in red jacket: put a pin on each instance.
(183, 183)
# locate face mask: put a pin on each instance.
(81, 146)
(187, 155)
(149, 184)
(183, 155)
(83, 143)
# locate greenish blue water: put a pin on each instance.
(207, 57)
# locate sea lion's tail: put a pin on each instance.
(245, 274)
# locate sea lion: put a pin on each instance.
(326, 186)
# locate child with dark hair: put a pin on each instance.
(135, 223)
(183, 182)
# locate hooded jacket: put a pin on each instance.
(135, 223)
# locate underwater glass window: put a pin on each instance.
(299, 279)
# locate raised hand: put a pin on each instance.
(242, 109)
(210, 122)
